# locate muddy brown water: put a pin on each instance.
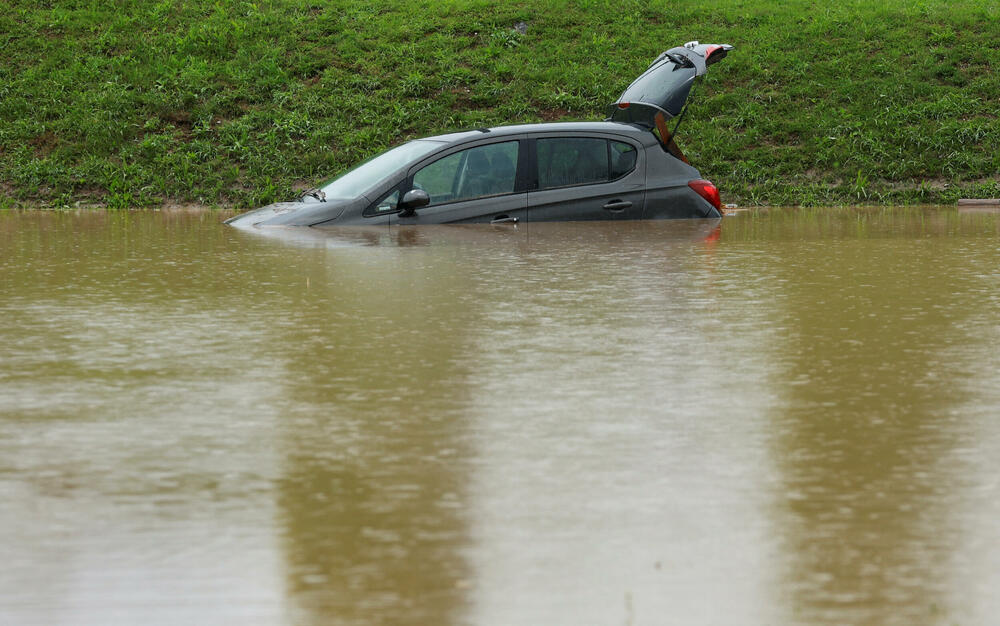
(788, 417)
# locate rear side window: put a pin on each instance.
(622, 158)
(481, 171)
(565, 161)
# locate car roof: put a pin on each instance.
(620, 128)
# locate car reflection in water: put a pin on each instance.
(640, 232)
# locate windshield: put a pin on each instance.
(363, 177)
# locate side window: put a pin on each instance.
(385, 205)
(481, 171)
(622, 159)
(571, 161)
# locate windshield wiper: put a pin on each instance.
(315, 192)
(679, 60)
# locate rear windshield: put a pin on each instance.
(665, 85)
(357, 181)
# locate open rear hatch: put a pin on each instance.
(660, 93)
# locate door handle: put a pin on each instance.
(503, 219)
(617, 205)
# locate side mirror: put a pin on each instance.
(412, 200)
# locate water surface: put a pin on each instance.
(786, 417)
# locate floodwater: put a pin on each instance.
(788, 417)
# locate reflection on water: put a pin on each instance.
(372, 492)
(788, 417)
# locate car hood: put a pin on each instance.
(303, 213)
(665, 85)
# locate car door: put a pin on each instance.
(482, 183)
(585, 178)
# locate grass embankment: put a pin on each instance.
(134, 103)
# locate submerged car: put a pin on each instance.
(626, 167)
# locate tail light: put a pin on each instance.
(714, 54)
(708, 191)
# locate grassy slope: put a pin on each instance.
(136, 103)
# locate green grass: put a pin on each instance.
(126, 103)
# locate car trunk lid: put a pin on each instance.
(661, 92)
(665, 85)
